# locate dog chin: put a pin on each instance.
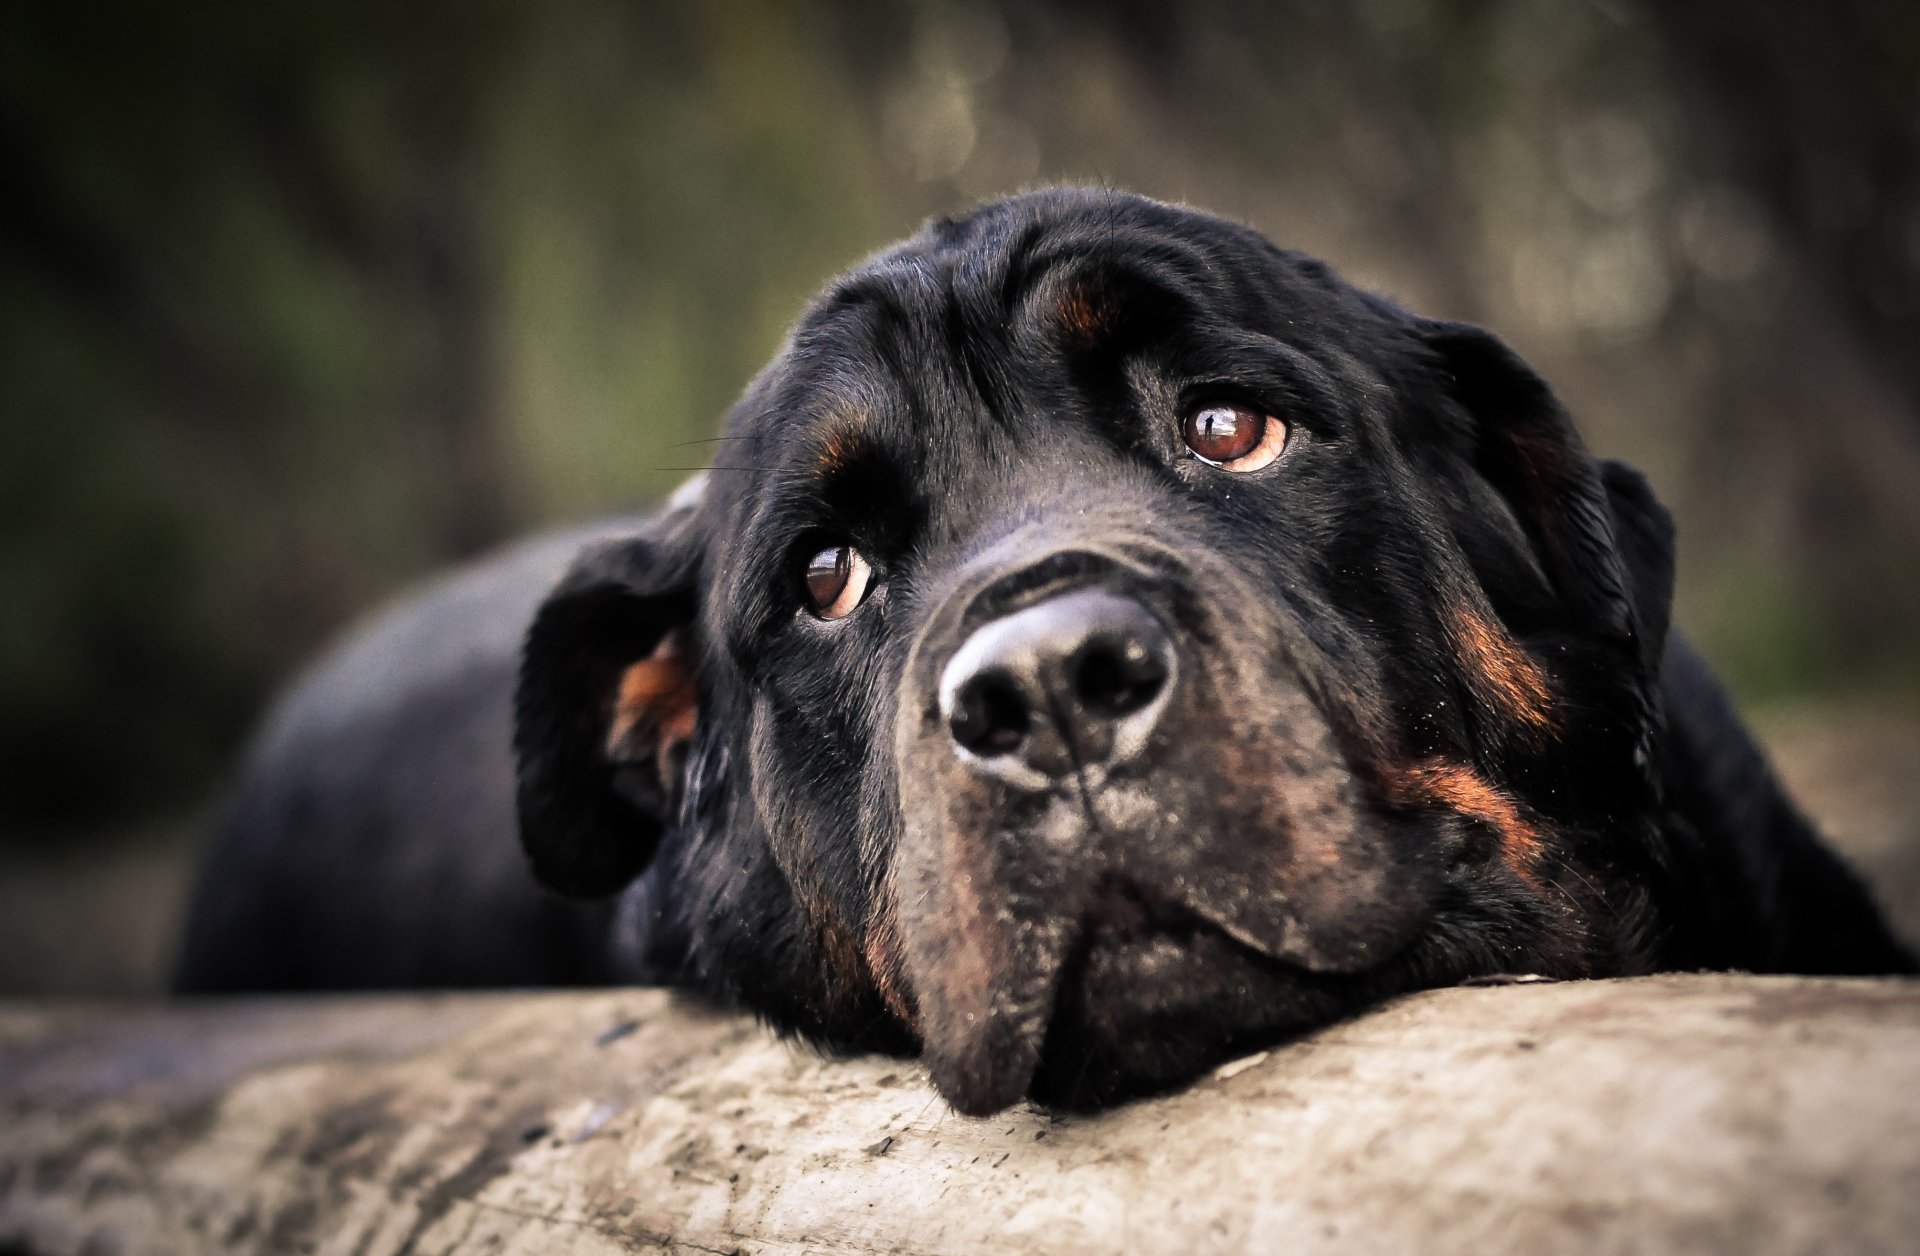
(1142, 1010)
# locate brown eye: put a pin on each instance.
(1234, 437)
(837, 580)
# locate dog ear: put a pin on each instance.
(606, 705)
(1604, 541)
(1643, 532)
(1601, 538)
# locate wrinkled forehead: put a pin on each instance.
(1048, 274)
(929, 383)
(967, 330)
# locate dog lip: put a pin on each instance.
(991, 1063)
(991, 1066)
(973, 1086)
(1120, 907)
(1123, 911)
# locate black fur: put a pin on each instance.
(1426, 721)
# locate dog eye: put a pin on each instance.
(837, 580)
(1234, 438)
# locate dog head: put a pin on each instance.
(1108, 643)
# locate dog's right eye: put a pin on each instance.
(837, 580)
(1233, 438)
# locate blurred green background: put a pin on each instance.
(299, 302)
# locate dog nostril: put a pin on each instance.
(1116, 677)
(989, 716)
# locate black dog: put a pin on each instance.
(1110, 644)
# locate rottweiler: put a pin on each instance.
(1107, 643)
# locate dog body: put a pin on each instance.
(1109, 643)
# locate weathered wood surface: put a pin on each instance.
(1658, 1115)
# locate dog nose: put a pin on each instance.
(1075, 681)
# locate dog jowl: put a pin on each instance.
(1111, 643)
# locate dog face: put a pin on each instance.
(1107, 643)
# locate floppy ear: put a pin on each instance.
(1603, 540)
(606, 705)
(1643, 531)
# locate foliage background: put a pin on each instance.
(299, 302)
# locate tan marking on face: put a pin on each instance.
(1460, 789)
(796, 844)
(885, 960)
(975, 951)
(655, 707)
(1502, 675)
(838, 448)
(842, 954)
(1085, 313)
(846, 965)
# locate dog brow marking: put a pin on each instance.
(1500, 672)
(1460, 789)
(1085, 312)
(839, 447)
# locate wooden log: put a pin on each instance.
(1666, 1114)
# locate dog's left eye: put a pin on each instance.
(837, 579)
(1234, 438)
